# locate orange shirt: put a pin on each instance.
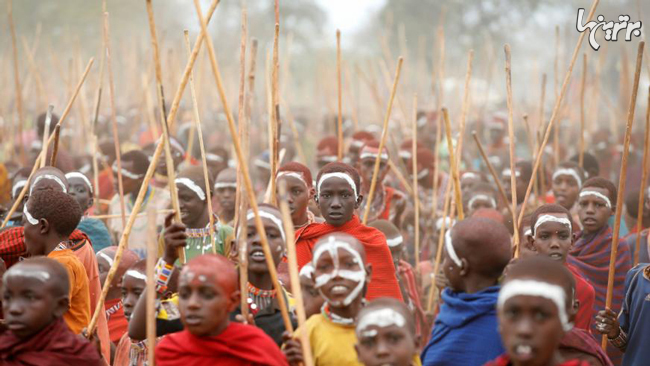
(78, 315)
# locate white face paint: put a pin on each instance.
(107, 258)
(550, 218)
(449, 245)
(292, 174)
(328, 158)
(82, 177)
(366, 155)
(470, 175)
(570, 172)
(332, 247)
(307, 271)
(405, 154)
(508, 172)
(270, 216)
(482, 197)
(393, 242)
(213, 157)
(29, 216)
(225, 185)
(127, 173)
(202, 278)
(343, 176)
(192, 186)
(545, 290)
(423, 174)
(56, 179)
(608, 203)
(17, 187)
(32, 273)
(136, 274)
(380, 318)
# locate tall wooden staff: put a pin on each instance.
(556, 74)
(581, 157)
(556, 108)
(463, 114)
(441, 238)
(46, 133)
(416, 197)
(644, 182)
(116, 137)
(439, 100)
(621, 183)
(241, 108)
(382, 142)
(275, 102)
(152, 168)
(259, 225)
(511, 137)
(339, 129)
(152, 251)
(453, 166)
(55, 146)
(495, 176)
(19, 95)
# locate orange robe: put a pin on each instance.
(78, 316)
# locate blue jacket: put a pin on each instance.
(465, 331)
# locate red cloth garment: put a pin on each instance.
(408, 278)
(117, 323)
(388, 198)
(239, 344)
(383, 282)
(54, 345)
(586, 295)
(12, 245)
(504, 360)
(580, 341)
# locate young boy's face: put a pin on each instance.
(565, 190)
(554, 239)
(593, 210)
(133, 285)
(256, 258)
(310, 296)
(339, 273)
(298, 196)
(366, 167)
(190, 205)
(336, 201)
(385, 345)
(80, 192)
(29, 303)
(531, 329)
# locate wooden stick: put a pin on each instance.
(35, 71)
(644, 182)
(150, 171)
(581, 155)
(463, 114)
(556, 75)
(141, 214)
(400, 177)
(46, 133)
(293, 273)
(66, 111)
(511, 137)
(247, 181)
(382, 142)
(541, 122)
(556, 108)
(55, 148)
(339, 129)
(241, 107)
(19, 95)
(621, 183)
(275, 104)
(453, 166)
(152, 251)
(533, 148)
(416, 197)
(436, 161)
(116, 137)
(441, 238)
(495, 176)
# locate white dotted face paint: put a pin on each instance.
(396, 241)
(219, 185)
(545, 290)
(296, 175)
(570, 172)
(17, 187)
(106, 257)
(380, 318)
(32, 273)
(508, 172)
(343, 176)
(550, 218)
(192, 186)
(270, 216)
(449, 245)
(482, 197)
(585, 193)
(359, 276)
(127, 173)
(447, 220)
(136, 274)
(56, 179)
(82, 177)
(29, 217)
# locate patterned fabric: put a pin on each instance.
(12, 245)
(504, 360)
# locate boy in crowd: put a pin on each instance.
(133, 284)
(476, 252)
(82, 190)
(300, 192)
(566, 183)
(35, 297)
(225, 191)
(480, 195)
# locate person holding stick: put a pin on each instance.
(82, 190)
(208, 293)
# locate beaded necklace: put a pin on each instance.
(310, 220)
(259, 299)
(325, 310)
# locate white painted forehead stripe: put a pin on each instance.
(29, 217)
(39, 275)
(550, 218)
(82, 177)
(449, 245)
(107, 258)
(307, 270)
(17, 187)
(135, 274)
(292, 174)
(545, 290)
(508, 172)
(270, 216)
(380, 318)
(219, 185)
(192, 186)
(343, 176)
(569, 172)
(127, 173)
(482, 197)
(597, 194)
(50, 177)
(213, 157)
(365, 155)
(395, 241)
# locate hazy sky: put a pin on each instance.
(349, 15)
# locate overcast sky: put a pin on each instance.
(349, 15)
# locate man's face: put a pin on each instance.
(298, 196)
(531, 329)
(336, 201)
(128, 184)
(191, 206)
(203, 303)
(593, 210)
(521, 187)
(339, 274)
(565, 190)
(390, 345)
(367, 166)
(80, 192)
(133, 285)
(554, 239)
(29, 304)
(256, 258)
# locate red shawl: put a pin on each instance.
(586, 296)
(408, 278)
(55, 345)
(583, 342)
(383, 282)
(504, 360)
(117, 323)
(239, 344)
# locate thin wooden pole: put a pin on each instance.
(455, 178)
(436, 162)
(542, 97)
(152, 251)
(416, 197)
(241, 107)
(275, 102)
(644, 182)
(55, 145)
(247, 181)
(339, 129)
(116, 137)
(621, 183)
(465, 108)
(511, 137)
(150, 171)
(556, 75)
(495, 176)
(581, 156)
(382, 142)
(46, 133)
(19, 94)
(441, 238)
(293, 273)
(556, 108)
(533, 148)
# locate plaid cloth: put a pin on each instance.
(12, 244)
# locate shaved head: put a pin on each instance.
(388, 228)
(227, 175)
(212, 267)
(48, 178)
(341, 237)
(544, 269)
(485, 243)
(50, 272)
(129, 258)
(394, 304)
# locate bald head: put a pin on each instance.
(485, 244)
(50, 273)
(228, 175)
(211, 268)
(48, 178)
(377, 306)
(107, 256)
